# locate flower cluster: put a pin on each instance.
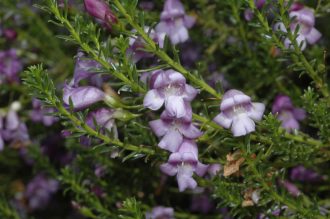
(304, 19)
(175, 127)
(174, 24)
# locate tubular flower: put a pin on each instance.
(174, 22)
(169, 87)
(239, 113)
(137, 44)
(40, 190)
(160, 212)
(10, 66)
(86, 69)
(39, 113)
(100, 10)
(104, 118)
(287, 113)
(82, 97)
(304, 18)
(174, 130)
(301, 173)
(183, 164)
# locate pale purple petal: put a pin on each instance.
(189, 21)
(190, 131)
(153, 100)
(175, 106)
(214, 169)
(313, 36)
(305, 16)
(299, 113)
(257, 111)
(168, 169)
(242, 125)
(201, 169)
(289, 123)
(175, 77)
(171, 141)
(179, 34)
(223, 120)
(190, 93)
(159, 127)
(189, 147)
(184, 178)
(12, 120)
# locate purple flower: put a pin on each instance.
(183, 164)
(305, 19)
(39, 114)
(104, 118)
(202, 203)
(39, 191)
(86, 69)
(10, 66)
(10, 34)
(169, 87)
(137, 44)
(82, 97)
(174, 130)
(300, 173)
(100, 10)
(160, 212)
(174, 22)
(287, 113)
(290, 187)
(218, 78)
(214, 169)
(13, 130)
(239, 113)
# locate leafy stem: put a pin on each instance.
(272, 191)
(162, 55)
(298, 56)
(39, 83)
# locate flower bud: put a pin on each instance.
(100, 10)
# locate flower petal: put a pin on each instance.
(159, 127)
(257, 111)
(299, 113)
(190, 92)
(242, 125)
(190, 131)
(153, 100)
(12, 120)
(175, 106)
(223, 120)
(189, 21)
(313, 36)
(168, 169)
(201, 169)
(171, 141)
(184, 178)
